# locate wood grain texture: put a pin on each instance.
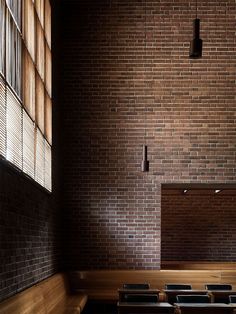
(103, 284)
(51, 296)
(26, 302)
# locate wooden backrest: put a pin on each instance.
(26, 302)
(54, 290)
(114, 279)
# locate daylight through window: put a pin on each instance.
(25, 87)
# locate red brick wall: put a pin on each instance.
(112, 210)
(198, 227)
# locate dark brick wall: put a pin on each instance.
(29, 233)
(199, 227)
(112, 210)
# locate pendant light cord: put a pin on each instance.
(196, 9)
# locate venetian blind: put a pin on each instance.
(14, 129)
(28, 145)
(2, 118)
(48, 160)
(39, 165)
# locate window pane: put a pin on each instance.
(29, 27)
(2, 37)
(2, 118)
(28, 145)
(48, 161)
(40, 51)
(14, 130)
(29, 85)
(39, 4)
(39, 166)
(48, 119)
(48, 71)
(40, 103)
(13, 56)
(48, 22)
(15, 7)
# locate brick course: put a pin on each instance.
(110, 83)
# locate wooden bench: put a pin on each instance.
(103, 285)
(50, 296)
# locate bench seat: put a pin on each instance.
(50, 296)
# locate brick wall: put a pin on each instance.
(29, 233)
(199, 227)
(110, 83)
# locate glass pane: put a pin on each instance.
(48, 163)
(48, 119)
(14, 130)
(39, 4)
(40, 51)
(29, 85)
(48, 22)
(15, 8)
(2, 118)
(48, 71)
(39, 166)
(29, 27)
(40, 104)
(28, 145)
(13, 55)
(2, 37)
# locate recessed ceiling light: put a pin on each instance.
(185, 191)
(217, 191)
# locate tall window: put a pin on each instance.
(25, 87)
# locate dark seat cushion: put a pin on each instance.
(181, 286)
(193, 298)
(218, 287)
(149, 298)
(140, 286)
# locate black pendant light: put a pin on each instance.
(145, 162)
(196, 44)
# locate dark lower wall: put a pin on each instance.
(29, 233)
(198, 227)
(110, 84)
